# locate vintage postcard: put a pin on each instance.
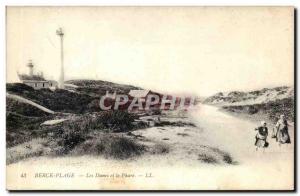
(150, 98)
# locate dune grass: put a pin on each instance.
(100, 133)
(110, 146)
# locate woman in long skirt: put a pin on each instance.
(282, 134)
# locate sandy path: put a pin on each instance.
(23, 100)
(236, 135)
(179, 169)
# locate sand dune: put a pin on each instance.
(181, 168)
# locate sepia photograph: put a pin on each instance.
(188, 98)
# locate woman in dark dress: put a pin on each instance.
(261, 136)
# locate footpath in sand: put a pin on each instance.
(181, 168)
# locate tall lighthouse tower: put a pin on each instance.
(61, 81)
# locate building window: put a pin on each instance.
(35, 84)
(43, 84)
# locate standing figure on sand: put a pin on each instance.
(280, 133)
(261, 136)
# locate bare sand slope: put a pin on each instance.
(27, 101)
(182, 167)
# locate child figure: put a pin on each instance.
(261, 136)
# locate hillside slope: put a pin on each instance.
(252, 97)
(267, 103)
(58, 101)
(96, 88)
(23, 119)
(81, 96)
(18, 100)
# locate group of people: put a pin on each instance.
(280, 133)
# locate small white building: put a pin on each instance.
(36, 81)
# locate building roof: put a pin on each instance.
(35, 81)
(138, 93)
(34, 77)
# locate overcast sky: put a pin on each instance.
(199, 50)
